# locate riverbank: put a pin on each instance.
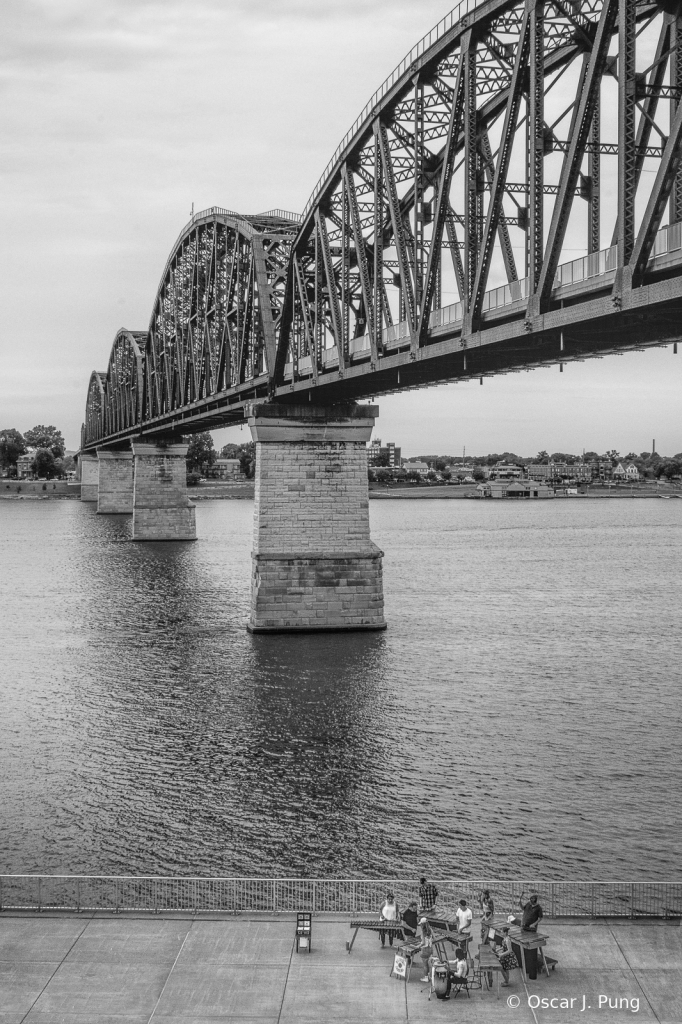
(448, 493)
(39, 489)
(181, 968)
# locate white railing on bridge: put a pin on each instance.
(327, 895)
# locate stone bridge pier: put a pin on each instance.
(314, 567)
(161, 509)
(115, 490)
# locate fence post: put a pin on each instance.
(592, 914)
(552, 901)
(40, 895)
(632, 901)
(314, 897)
(78, 896)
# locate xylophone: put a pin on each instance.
(391, 927)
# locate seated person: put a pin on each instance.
(461, 968)
(410, 920)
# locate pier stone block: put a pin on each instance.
(115, 482)
(89, 474)
(314, 567)
(161, 508)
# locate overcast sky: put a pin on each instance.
(117, 115)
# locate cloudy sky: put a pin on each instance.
(117, 115)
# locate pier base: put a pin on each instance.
(115, 482)
(314, 566)
(161, 508)
(89, 474)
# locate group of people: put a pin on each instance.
(414, 924)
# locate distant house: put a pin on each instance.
(227, 469)
(24, 464)
(631, 472)
(416, 467)
(619, 472)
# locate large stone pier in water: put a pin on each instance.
(314, 566)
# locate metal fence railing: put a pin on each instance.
(326, 895)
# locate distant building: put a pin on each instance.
(514, 489)
(384, 455)
(631, 472)
(619, 472)
(227, 469)
(554, 472)
(417, 467)
(505, 471)
(24, 464)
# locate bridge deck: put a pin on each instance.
(133, 969)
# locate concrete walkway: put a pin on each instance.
(175, 969)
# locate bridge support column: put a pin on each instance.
(89, 474)
(161, 508)
(115, 482)
(314, 565)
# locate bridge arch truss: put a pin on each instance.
(434, 245)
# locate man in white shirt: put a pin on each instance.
(464, 917)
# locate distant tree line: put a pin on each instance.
(649, 464)
(48, 456)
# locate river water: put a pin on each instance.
(519, 718)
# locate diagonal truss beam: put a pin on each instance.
(573, 158)
(360, 254)
(333, 292)
(443, 204)
(660, 193)
(506, 143)
(398, 227)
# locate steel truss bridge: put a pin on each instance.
(437, 244)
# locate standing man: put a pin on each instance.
(532, 915)
(411, 920)
(464, 917)
(428, 894)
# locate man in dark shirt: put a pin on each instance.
(428, 894)
(532, 914)
(410, 920)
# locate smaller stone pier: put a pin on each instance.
(161, 508)
(89, 477)
(115, 482)
(315, 568)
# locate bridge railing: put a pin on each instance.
(596, 264)
(443, 26)
(326, 895)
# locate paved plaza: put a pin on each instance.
(176, 969)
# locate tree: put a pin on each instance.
(12, 445)
(201, 452)
(44, 463)
(46, 437)
(231, 451)
(247, 459)
(543, 458)
(613, 455)
(478, 473)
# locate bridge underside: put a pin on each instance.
(604, 325)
